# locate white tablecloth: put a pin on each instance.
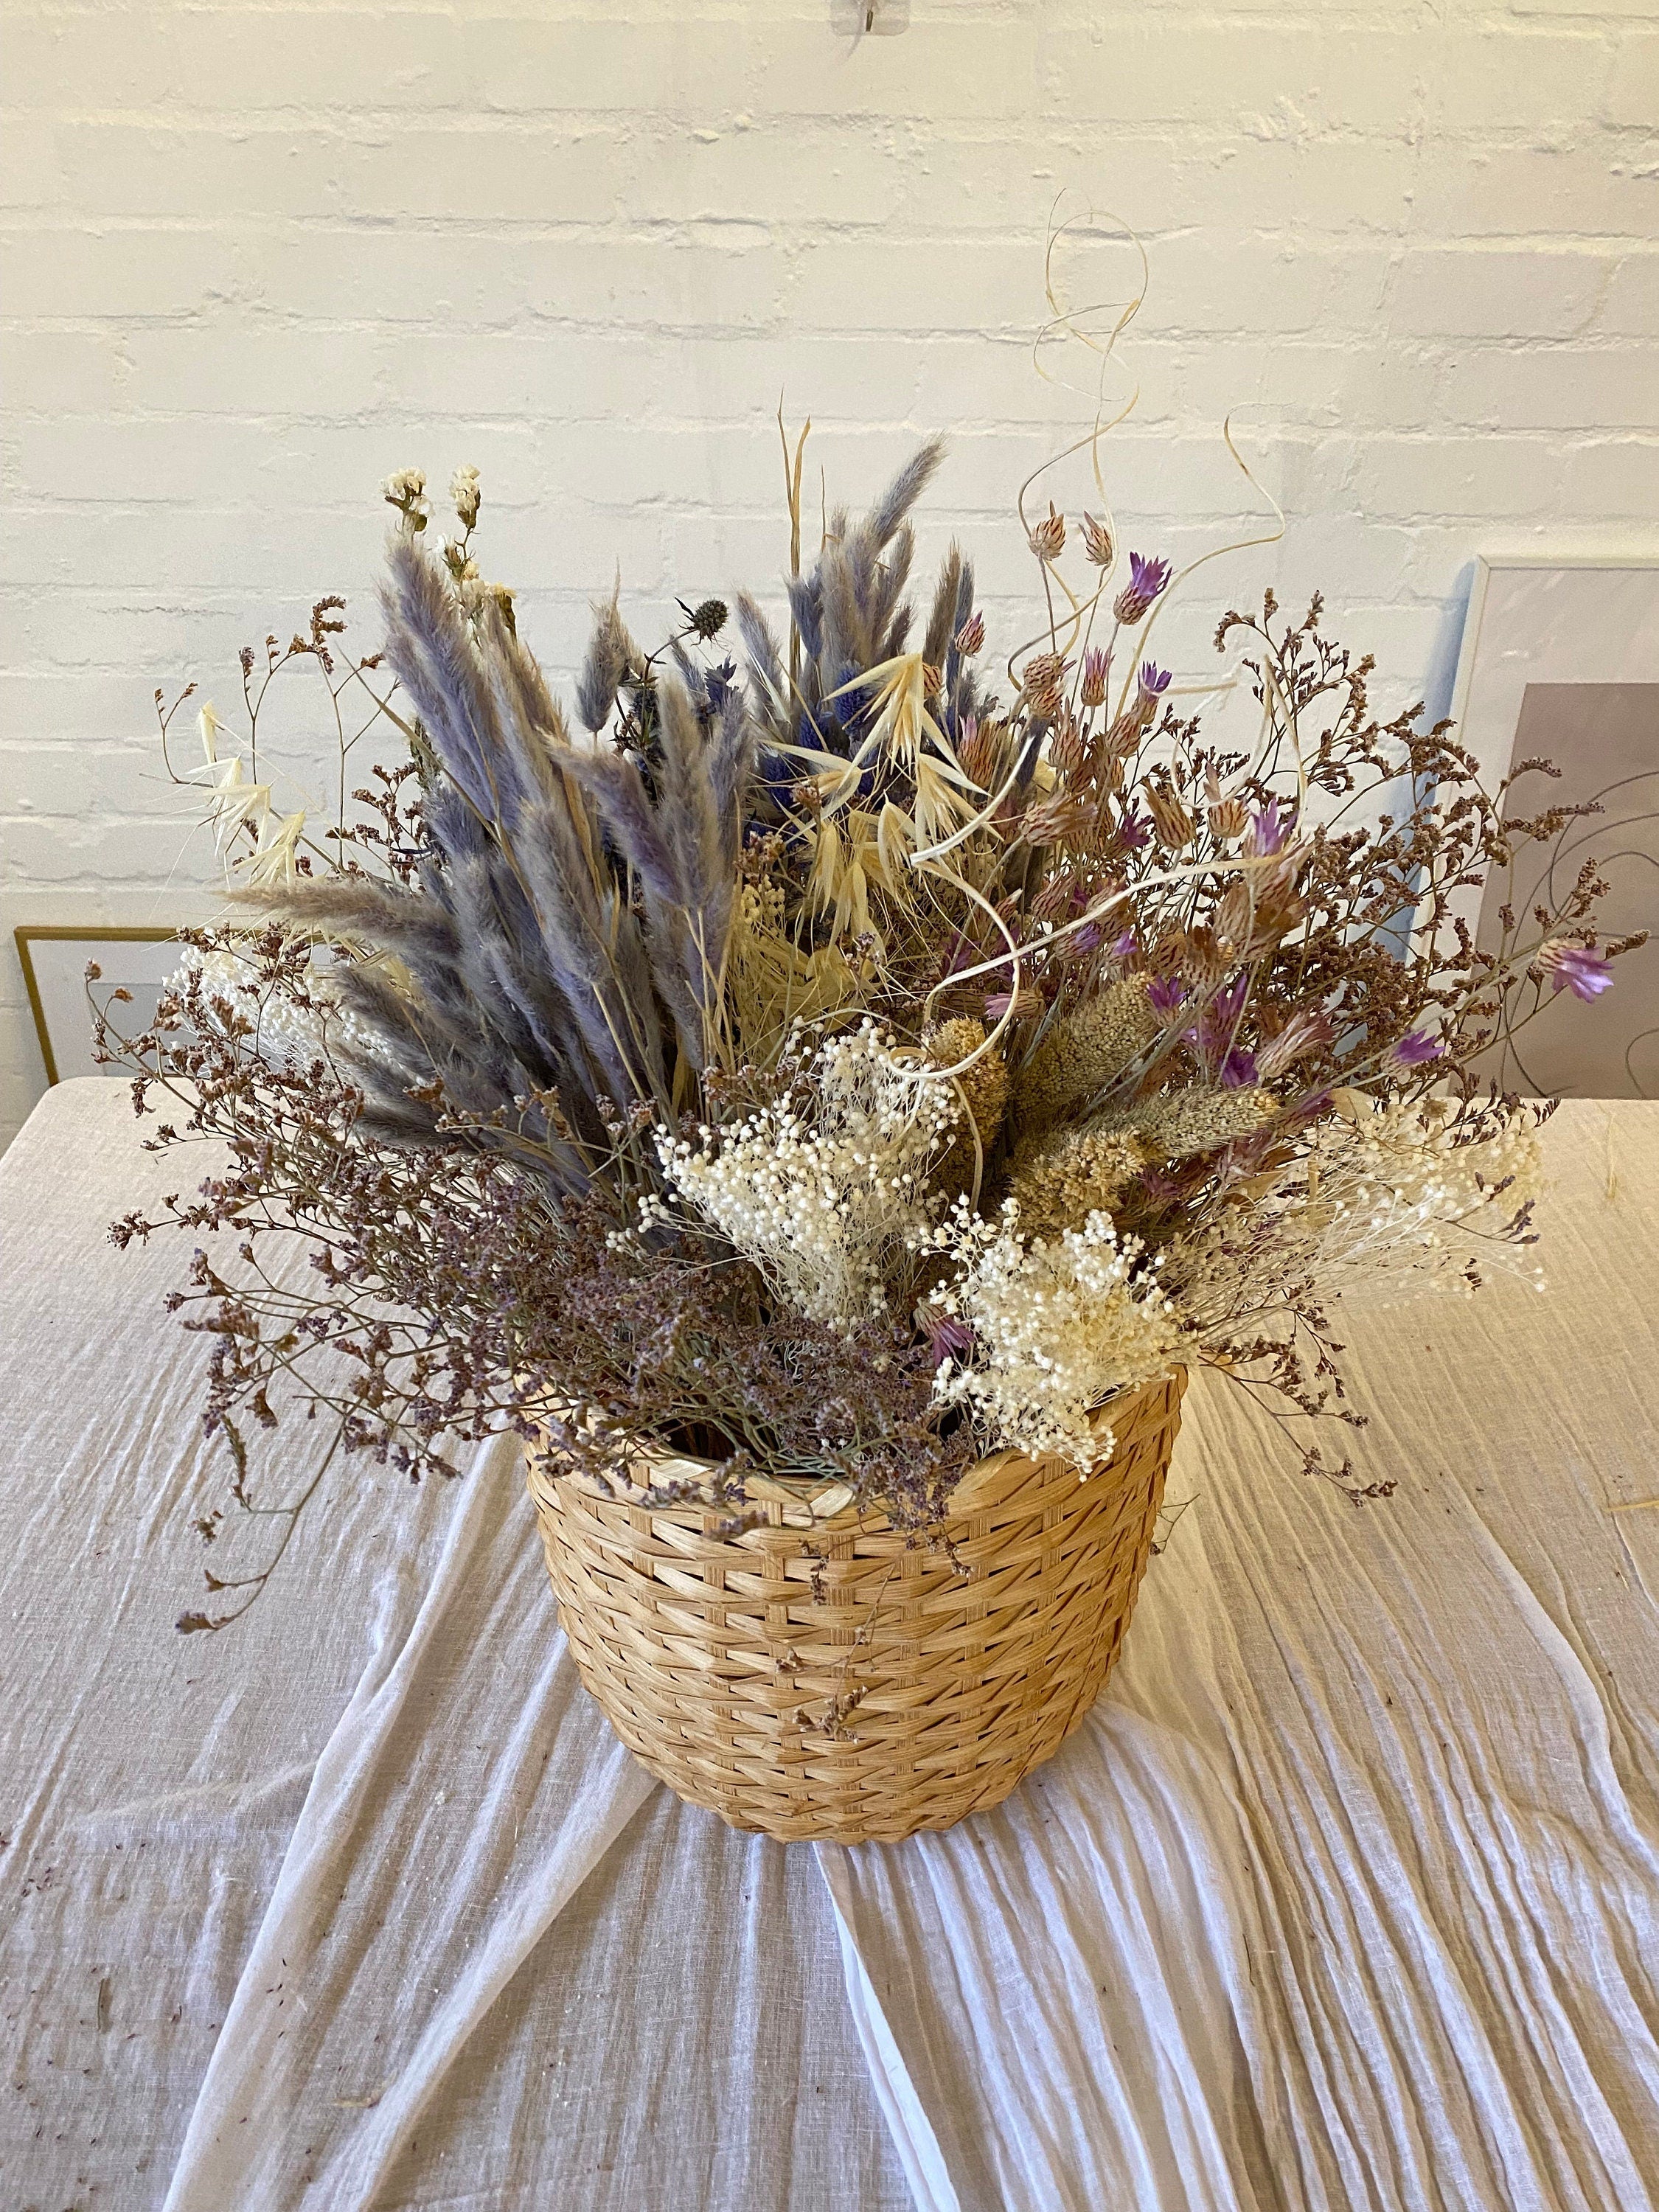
(1346, 1895)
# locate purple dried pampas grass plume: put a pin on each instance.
(902, 495)
(610, 652)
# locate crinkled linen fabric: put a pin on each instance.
(1346, 1895)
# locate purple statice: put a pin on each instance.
(1166, 993)
(1268, 832)
(1213, 1035)
(1133, 830)
(1415, 1048)
(960, 952)
(1579, 968)
(1159, 1187)
(1153, 679)
(1146, 581)
(948, 1337)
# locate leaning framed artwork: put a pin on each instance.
(54, 964)
(1560, 660)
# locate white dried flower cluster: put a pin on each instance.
(406, 490)
(1059, 1324)
(287, 1035)
(1386, 1205)
(465, 496)
(1395, 1205)
(830, 1199)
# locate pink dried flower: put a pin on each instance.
(1147, 579)
(1579, 968)
(971, 636)
(1267, 831)
(1414, 1050)
(1096, 669)
(1305, 1031)
(1023, 1006)
(1132, 828)
(948, 1336)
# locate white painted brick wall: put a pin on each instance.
(256, 256)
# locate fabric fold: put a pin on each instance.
(316, 2082)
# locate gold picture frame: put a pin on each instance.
(27, 935)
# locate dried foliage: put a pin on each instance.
(824, 1069)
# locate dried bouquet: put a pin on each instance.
(832, 1061)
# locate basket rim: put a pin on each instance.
(799, 1505)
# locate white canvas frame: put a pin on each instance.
(1546, 619)
(1610, 647)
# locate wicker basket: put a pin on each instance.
(894, 1695)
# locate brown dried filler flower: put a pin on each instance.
(1071, 1174)
(982, 1088)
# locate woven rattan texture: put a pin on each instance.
(869, 1690)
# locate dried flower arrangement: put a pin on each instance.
(831, 1067)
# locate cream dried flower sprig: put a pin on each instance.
(826, 1191)
(1060, 1325)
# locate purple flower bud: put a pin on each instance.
(1097, 669)
(1230, 1003)
(1132, 830)
(1146, 579)
(1166, 993)
(948, 1337)
(1413, 1049)
(1579, 968)
(1153, 679)
(1124, 947)
(1239, 1069)
(1267, 831)
(1089, 938)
